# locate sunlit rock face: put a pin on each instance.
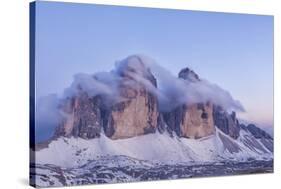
(191, 120)
(197, 120)
(138, 113)
(135, 109)
(132, 117)
(134, 113)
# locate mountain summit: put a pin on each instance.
(136, 112)
(113, 127)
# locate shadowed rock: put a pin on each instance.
(228, 123)
(257, 132)
(82, 117)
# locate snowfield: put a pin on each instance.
(157, 156)
(156, 148)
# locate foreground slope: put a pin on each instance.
(74, 161)
(156, 147)
(139, 123)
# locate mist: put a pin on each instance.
(47, 116)
(170, 91)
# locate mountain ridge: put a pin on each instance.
(135, 111)
(135, 124)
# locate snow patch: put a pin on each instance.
(156, 147)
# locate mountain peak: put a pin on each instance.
(134, 67)
(188, 74)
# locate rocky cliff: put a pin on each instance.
(82, 117)
(257, 132)
(191, 120)
(137, 112)
(226, 122)
(136, 130)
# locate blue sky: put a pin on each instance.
(234, 51)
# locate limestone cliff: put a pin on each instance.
(138, 113)
(191, 120)
(226, 122)
(82, 117)
(135, 113)
(197, 120)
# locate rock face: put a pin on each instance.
(188, 74)
(82, 117)
(138, 113)
(133, 117)
(226, 122)
(257, 132)
(197, 120)
(255, 136)
(191, 120)
(135, 114)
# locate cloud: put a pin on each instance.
(170, 90)
(173, 91)
(47, 116)
(92, 84)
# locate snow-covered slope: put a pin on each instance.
(159, 148)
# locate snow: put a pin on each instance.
(156, 147)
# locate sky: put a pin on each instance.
(234, 51)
